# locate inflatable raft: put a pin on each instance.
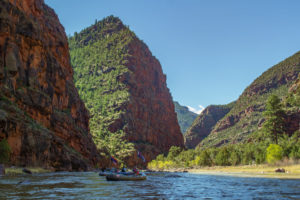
(105, 173)
(122, 177)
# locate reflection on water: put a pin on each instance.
(89, 185)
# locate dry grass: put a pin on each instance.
(268, 171)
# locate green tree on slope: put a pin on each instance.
(274, 114)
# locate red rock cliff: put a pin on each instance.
(152, 121)
(41, 114)
(204, 123)
(292, 120)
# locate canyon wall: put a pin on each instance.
(41, 115)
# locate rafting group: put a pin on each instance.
(124, 174)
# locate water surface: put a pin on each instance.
(88, 185)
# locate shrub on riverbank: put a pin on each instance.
(274, 153)
(256, 151)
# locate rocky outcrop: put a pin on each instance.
(124, 87)
(204, 123)
(231, 120)
(292, 122)
(282, 79)
(41, 115)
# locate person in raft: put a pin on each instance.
(136, 171)
(123, 169)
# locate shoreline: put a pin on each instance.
(19, 170)
(249, 171)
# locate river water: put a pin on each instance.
(88, 185)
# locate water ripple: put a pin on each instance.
(89, 185)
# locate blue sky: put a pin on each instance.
(210, 50)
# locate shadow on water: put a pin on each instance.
(159, 185)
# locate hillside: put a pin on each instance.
(292, 107)
(204, 124)
(42, 117)
(246, 115)
(124, 88)
(184, 116)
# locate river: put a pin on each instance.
(88, 185)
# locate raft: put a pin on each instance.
(104, 173)
(121, 177)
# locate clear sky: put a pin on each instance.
(210, 50)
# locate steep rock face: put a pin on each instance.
(246, 115)
(292, 122)
(204, 124)
(41, 114)
(150, 113)
(124, 88)
(184, 116)
(292, 103)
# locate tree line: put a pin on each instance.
(270, 144)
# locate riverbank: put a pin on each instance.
(19, 170)
(264, 171)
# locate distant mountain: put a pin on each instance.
(185, 116)
(246, 115)
(204, 124)
(124, 88)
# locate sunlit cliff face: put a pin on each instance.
(43, 118)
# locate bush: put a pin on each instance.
(295, 151)
(248, 154)
(222, 158)
(173, 152)
(204, 159)
(4, 151)
(235, 158)
(160, 157)
(295, 146)
(259, 155)
(274, 153)
(186, 156)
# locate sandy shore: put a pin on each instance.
(19, 170)
(264, 171)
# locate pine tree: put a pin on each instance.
(274, 114)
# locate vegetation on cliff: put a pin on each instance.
(124, 88)
(258, 149)
(184, 116)
(246, 115)
(98, 55)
